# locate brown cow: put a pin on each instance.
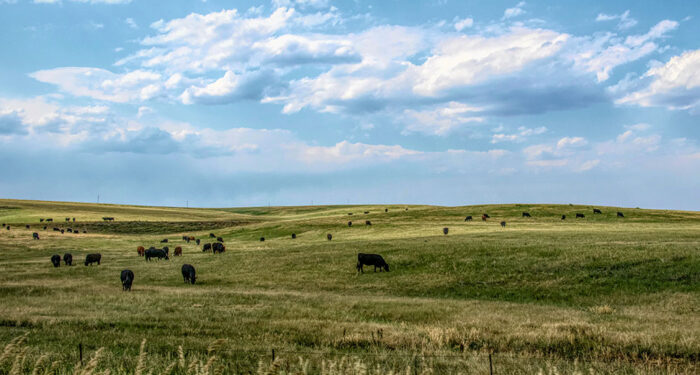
(178, 251)
(483, 217)
(141, 250)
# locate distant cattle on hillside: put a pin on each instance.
(367, 222)
(580, 216)
(526, 214)
(620, 214)
(206, 247)
(445, 230)
(68, 259)
(468, 218)
(329, 236)
(35, 236)
(218, 247)
(503, 224)
(93, 258)
(375, 260)
(127, 277)
(56, 260)
(188, 274)
(563, 217)
(597, 211)
(178, 251)
(349, 223)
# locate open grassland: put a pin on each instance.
(601, 294)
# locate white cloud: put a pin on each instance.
(625, 21)
(442, 120)
(131, 23)
(514, 11)
(522, 134)
(674, 85)
(461, 24)
(568, 142)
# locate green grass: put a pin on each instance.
(602, 294)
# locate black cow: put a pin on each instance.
(68, 259)
(620, 214)
(487, 216)
(27, 226)
(156, 253)
(62, 231)
(366, 212)
(597, 211)
(349, 223)
(219, 239)
(468, 218)
(212, 235)
(294, 235)
(164, 240)
(127, 277)
(56, 260)
(69, 230)
(526, 214)
(197, 241)
(67, 219)
(580, 216)
(563, 217)
(262, 239)
(503, 224)
(49, 220)
(329, 236)
(350, 213)
(188, 274)
(167, 250)
(74, 220)
(93, 258)
(35, 235)
(8, 227)
(41, 220)
(367, 222)
(375, 260)
(386, 210)
(44, 227)
(206, 247)
(445, 230)
(185, 238)
(218, 247)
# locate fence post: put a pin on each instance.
(273, 355)
(490, 365)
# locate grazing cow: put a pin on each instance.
(468, 218)
(197, 241)
(487, 216)
(262, 239)
(188, 274)
(68, 259)
(367, 222)
(127, 277)
(386, 210)
(329, 236)
(366, 212)
(41, 220)
(349, 223)
(563, 217)
(375, 260)
(350, 213)
(35, 236)
(44, 227)
(67, 219)
(62, 231)
(49, 220)
(69, 230)
(167, 250)
(212, 235)
(56, 229)
(597, 211)
(219, 239)
(191, 238)
(84, 231)
(185, 238)
(483, 217)
(503, 224)
(206, 247)
(56, 260)
(156, 253)
(74, 220)
(108, 218)
(526, 214)
(218, 247)
(164, 240)
(140, 250)
(406, 208)
(93, 258)
(27, 226)
(178, 251)
(294, 235)
(620, 214)
(580, 216)
(445, 230)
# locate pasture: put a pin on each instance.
(600, 294)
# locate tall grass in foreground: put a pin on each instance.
(17, 358)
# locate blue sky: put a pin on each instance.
(294, 102)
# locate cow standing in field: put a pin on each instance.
(526, 214)
(329, 236)
(262, 239)
(188, 274)
(178, 251)
(35, 235)
(597, 211)
(62, 231)
(484, 217)
(164, 240)
(468, 218)
(212, 235)
(67, 219)
(27, 226)
(580, 216)
(41, 220)
(141, 250)
(197, 241)
(44, 227)
(349, 223)
(386, 210)
(56, 260)
(294, 236)
(503, 224)
(93, 258)
(127, 278)
(563, 217)
(206, 247)
(156, 253)
(219, 239)
(367, 222)
(49, 220)
(218, 247)
(620, 214)
(68, 259)
(366, 212)
(167, 250)
(375, 260)
(445, 230)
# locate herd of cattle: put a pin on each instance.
(218, 247)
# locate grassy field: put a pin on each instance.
(596, 295)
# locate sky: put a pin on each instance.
(297, 102)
